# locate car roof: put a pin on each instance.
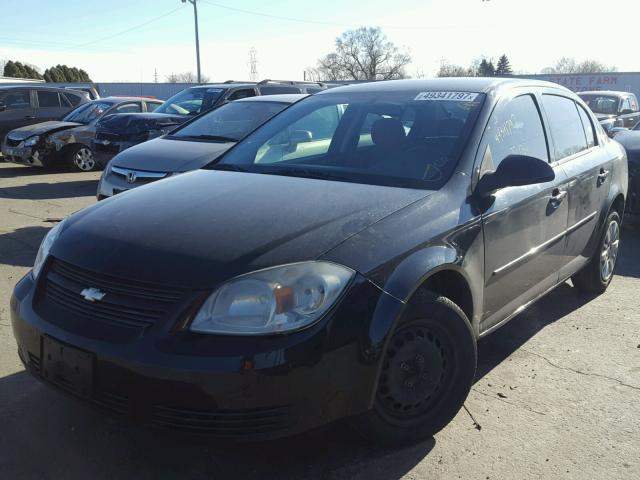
(614, 93)
(34, 85)
(451, 84)
(280, 98)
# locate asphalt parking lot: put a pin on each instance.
(557, 393)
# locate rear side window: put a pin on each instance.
(566, 126)
(48, 99)
(73, 99)
(515, 128)
(278, 89)
(244, 93)
(588, 127)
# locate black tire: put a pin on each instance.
(414, 402)
(592, 279)
(80, 158)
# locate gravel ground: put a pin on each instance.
(557, 393)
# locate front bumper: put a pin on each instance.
(112, 183)
(248, 388)
(21, 154)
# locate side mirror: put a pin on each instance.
(3, 106)
(300, 136)
(626, 111)
(515, 171)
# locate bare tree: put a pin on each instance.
(185, 77)
(450, 70)
(570, 65)
(363, 54)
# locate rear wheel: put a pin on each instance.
(80, 158)
(427, 372)
(596, 276)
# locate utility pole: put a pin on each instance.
(195, 14)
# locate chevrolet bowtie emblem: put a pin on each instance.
(92, 294)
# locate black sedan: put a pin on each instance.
(339, 262)
(630, 140)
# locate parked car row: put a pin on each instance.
(339, 261)
(89, 136)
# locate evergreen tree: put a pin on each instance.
(486, 68)
(504, 67)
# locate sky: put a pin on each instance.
(129, 40)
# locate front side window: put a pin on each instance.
(515, 128)
(229, 122)
(16, 100)
(565, 124)
(390, 138)
(625, 105)
(191, 101)
(602, 104)
(87, 112)
(48, 99)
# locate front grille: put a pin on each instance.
(223, 422)
(126, 303)
(13, 143)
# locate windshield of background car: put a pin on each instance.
(191, 101)
(230, 122)
(407, 139)
(603, 104)
(87, 112)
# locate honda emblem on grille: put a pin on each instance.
(131, 177)
(92, 294)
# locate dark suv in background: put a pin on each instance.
(117, 133)
(613, 109)
(26, 105)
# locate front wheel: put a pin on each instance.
(596, 276)
(80, 159)
(427, 372)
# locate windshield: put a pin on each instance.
(603, 104)
(191, 101)
(230, 122)
(87, 112)
(408, 139)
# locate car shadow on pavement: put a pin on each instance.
(22, 171)
(49, 191)
(628, 264)
(19, 247)
(48, 435)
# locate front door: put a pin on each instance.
(523, 226)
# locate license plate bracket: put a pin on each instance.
(68, 367)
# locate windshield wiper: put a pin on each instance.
(305, 173)
(213, 138)
(227, 167)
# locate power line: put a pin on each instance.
(318, 22)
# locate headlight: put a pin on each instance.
(274, 300)
(31, 141)
(45, 247)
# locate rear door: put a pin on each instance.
(18, 110)
(523, 226)
(577, 152)
(50, 106)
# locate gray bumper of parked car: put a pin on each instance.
(21, 154)
(116, 180)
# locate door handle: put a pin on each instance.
(602, 176)
(557, 196)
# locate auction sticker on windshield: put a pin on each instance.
(458, 96)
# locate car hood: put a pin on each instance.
(201, 228)
(164, 155)
(630, 140)
(41, 128)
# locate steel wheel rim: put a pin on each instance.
(609, 251)
(413, 374)
(84, 159)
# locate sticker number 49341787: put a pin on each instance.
(455, 96)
